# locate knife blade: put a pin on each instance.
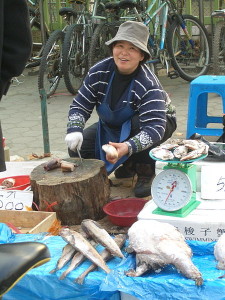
(81, 159)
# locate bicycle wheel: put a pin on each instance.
(98, 49)
(50, 67)
(189, 53)
(218, 52)
(74, 57)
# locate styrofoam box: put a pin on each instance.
(206, 223)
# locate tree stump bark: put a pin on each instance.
(75, 195)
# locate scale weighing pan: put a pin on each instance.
(177, 160)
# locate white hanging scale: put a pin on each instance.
(174, 190)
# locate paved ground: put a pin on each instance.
(21, 116)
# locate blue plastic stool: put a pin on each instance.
(198, 101)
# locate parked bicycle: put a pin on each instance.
(218, 52)
(178, 42)
(50, 71)
(40, 35)
(76, 46)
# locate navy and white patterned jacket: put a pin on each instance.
(149, 100)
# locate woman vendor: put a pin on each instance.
(135, 113)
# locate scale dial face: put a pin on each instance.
(171, 189)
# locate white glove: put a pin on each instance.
(74, 140)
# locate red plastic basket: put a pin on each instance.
(123, 212)
(21, 182)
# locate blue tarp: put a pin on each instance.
(38, 284)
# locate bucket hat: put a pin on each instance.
(134, 32)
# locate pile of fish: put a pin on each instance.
(82, 246)
(183, 150)
(158, 244)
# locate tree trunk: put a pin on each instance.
(75, 195)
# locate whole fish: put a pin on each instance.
(157, 244)
(100, 235)
(82, 245)
(67, 254)
(105, 254)
(75, 262)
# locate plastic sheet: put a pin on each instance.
(169, 284)
(38, 284)
(6, 235)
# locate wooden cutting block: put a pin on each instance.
(75, 195)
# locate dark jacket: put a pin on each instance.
(15, 47)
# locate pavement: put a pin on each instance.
(21, 115)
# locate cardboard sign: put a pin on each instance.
(212, 182)
(15, 199)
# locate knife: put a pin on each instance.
(81, 159)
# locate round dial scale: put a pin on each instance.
(171, 189)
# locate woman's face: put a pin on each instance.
(127, 57)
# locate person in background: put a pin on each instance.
(15, 48)
(135, 113)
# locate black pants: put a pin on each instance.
(89, 135)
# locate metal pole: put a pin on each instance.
(44, 121)
(42, 21)
(201, 11)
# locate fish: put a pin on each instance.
(110, 150)
(162, 153)
(158, 244)
(100, 235)
(180, 151)
(67, 254)
(219, 252)
(82, 245)
(105, 254)
(75, 262)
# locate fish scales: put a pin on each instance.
(82, 245)
(105, 254)
(100, 235)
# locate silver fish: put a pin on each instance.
(100, 235)
(67, 254)
(75, 262)
(105, 254)
(82, 245)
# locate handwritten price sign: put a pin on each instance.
(213, 182)
(15, 200)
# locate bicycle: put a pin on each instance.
(114, 16)
(218, 52)
(77, 43)
(50, 71)
(176, 40)
(40, 32)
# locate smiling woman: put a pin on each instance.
(135, 113)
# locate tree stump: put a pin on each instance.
(75, 195)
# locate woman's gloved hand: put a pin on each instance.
(74, 140)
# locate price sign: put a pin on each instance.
(213, 182)
(15, 199)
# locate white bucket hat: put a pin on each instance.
(134, 32)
